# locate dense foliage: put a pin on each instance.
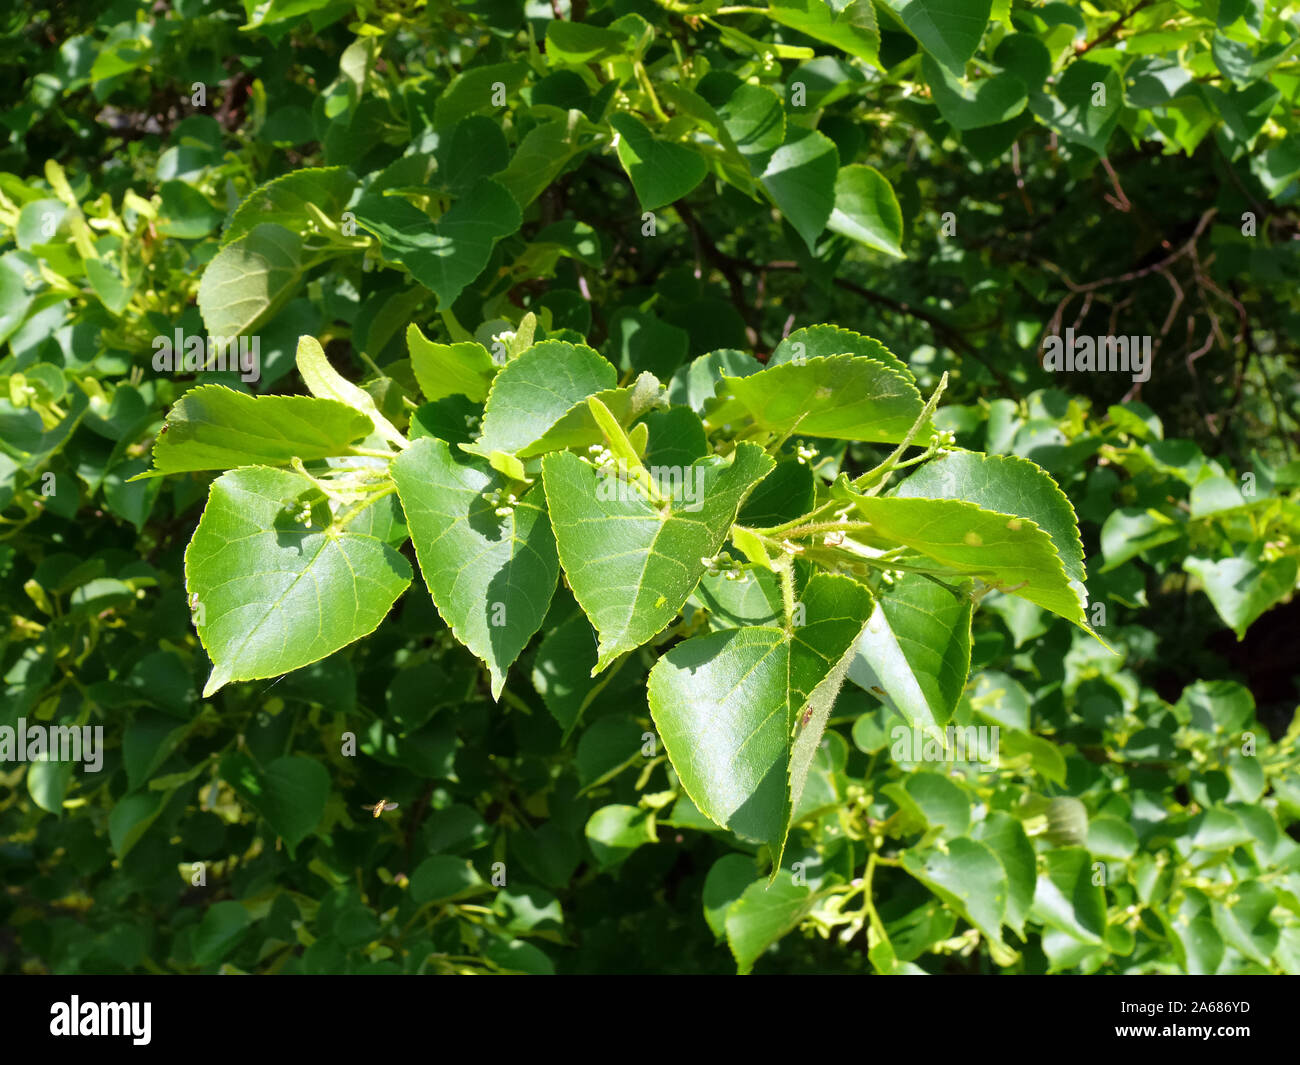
(636, 444)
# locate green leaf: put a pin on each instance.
(148, 742)
(1244, 112)
(289, 793)
(938, 802)
(472, 90)
(1001, 548)
(461, 369)
(536, 390)
(491, 576)
(763, 914)
(1129, 531)
(783, 495)
(1109, 837)
(130, 819)
(1007, 484)
(1071, 110)
(661, 171)
(325, 382)
(518, 956)
(1067, 821)
(562, 670)
(1066, 897)
(817, 340)
(614, 832)
(983, 102)
(850, 27)
(277, 594)
(1245, 586)
(866, 210)
(250, 279)
(728, 878)
(950, 30)
(579, 43)
(113, 293)
(800, 177)
(475, 150)
(578, 427)
(844, 397)
(731, 604)
(1006, 838)
(1218, 706)
(731, 709)
(285, 201)
(969, 877)
(442, 878)
(916, 647)
(447, 255)
(1246, 924)
(755, 120)
(47, 784)
(1024, 56)
(216, 428)
(544, 154)
(223, 926)
(1199, 943)
(632, 565)
(695, 383)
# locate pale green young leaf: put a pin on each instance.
(325, 382)
(461, 369)
(578, 428)
(216, 428)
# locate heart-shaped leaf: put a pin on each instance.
(741, 711)
(249, 279)
(444, 256)
(491, 574)
(289, 792)
(661, 171)
(631, 562)
(273, 585)
(800, 178)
